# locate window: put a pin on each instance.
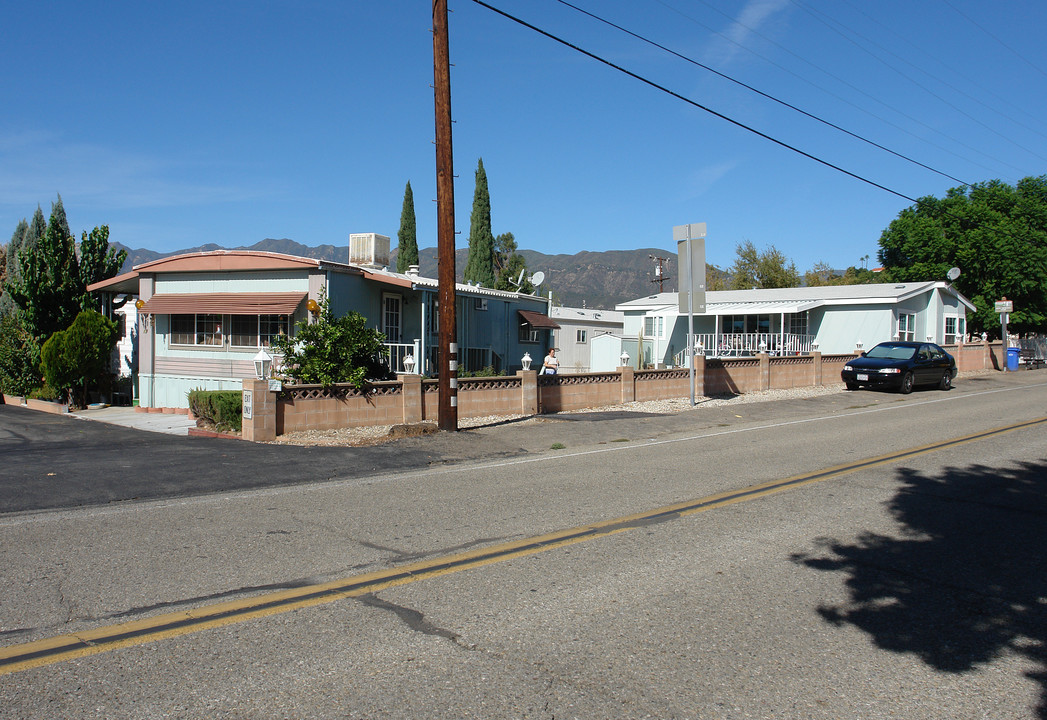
(183, 329)
(954, 329)
(580, 336)
(528, 334)
(244, 331)
(208, 329)
(271, 326)
(257, 330)
(391, 317)
(798, 323)
(653, 327)
(906, 327)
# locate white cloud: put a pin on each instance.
(754, 16)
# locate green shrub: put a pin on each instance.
(46, 393)
(221, 408)
(488, 371)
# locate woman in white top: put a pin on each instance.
(551, 364)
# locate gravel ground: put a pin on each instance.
(381, 433)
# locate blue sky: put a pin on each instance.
(179, 124)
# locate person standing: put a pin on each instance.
(551, 364)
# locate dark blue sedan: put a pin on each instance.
(901, 366)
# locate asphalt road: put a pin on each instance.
(859, 555)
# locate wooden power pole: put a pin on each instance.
(447, 363)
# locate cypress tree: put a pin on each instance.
(479, 268)
(49, 291)
(407, 255)
(98, 261)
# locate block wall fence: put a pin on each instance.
(413, 399)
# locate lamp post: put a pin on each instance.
(263, 363)
(526, 361)
(409, 364)
(624, 359)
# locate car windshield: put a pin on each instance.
(892, 352)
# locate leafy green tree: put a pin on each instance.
(19, 357)
(479, 267)
(49, 291)
(511, 265)
(767, 269)
(994, 232)
(407, 254)
(332, 350)
(98, 262)
(74, 358)
(25, 237)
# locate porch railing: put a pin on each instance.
(399, 351)
(748, 344)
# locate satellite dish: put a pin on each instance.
(519, 280)
(538, 278)
(953, 273)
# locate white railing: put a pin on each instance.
(749, 344)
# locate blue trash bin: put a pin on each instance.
(1012, 358)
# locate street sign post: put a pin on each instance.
(690, 248)
(1005, 307)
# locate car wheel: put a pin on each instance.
(907, 383)
(946, 381)
(853, 386)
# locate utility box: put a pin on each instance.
(369, 249)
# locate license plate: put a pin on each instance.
(862, 376)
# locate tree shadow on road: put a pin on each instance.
(966, 578)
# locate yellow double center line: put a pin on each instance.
(56, 649)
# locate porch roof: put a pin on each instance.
(538, 320)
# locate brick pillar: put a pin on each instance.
(412, 394)
(817, 355)
(628, 384)
(699, 376)
(259, 408)
(528, 391)
(765, 370)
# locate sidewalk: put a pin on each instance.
(169, 424)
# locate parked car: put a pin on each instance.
(901, 366)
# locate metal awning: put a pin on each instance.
(224, 303)
(537, 320)
(761, 308)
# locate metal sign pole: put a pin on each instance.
(684, 236)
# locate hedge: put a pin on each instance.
(222, 408)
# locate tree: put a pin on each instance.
(19, 357)
(25, 237)
(74, 358)
(331, 350)
(407, 255)
(98, 261)
(767, 269)
(48, 293)
(511, 266)
(479, 268)
(994, 232)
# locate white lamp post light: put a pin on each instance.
(624, 358)
(263, 363)
(409, 364)
(526, 361)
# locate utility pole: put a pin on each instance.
(659, 275)
(447, 365)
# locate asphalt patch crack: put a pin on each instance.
(414, 620)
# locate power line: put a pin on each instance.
(760, 92)
(687, 100)
(826, 163)
(839, 79)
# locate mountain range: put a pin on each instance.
(586, 279)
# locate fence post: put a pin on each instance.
(411, 389)
(817, 355)
(259, 411)
(628, 384)
(699, 375)
(765, 370)
(528, 391)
